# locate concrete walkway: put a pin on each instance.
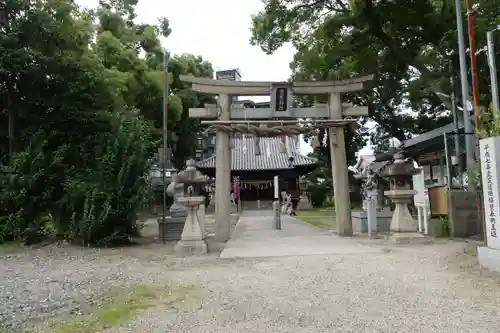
(255, 237)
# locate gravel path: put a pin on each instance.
(432, 288)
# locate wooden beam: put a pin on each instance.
(344, 82)
(203, 113)
(227, 83)
(278, 122)
(266, 91)
(234, 91)
(240, 113)
(355, 111)
(255, 88)
(320, 90)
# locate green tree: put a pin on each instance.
(187, 129)
(133, 56)
(59, 96)
(405, 43)
(133, 53)
(84, 88)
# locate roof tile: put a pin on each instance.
(244, 158)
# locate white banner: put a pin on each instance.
(490, 156)
(421, 198)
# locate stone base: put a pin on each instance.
(171, 229)
(402, 221)
(214, 246)
(408, 238)
(360, 221)
(191, 247)
(210, 209)
(489, 258)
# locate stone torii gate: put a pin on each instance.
(339, 115)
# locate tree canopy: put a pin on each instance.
(81, 93)
(408, 45)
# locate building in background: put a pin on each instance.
(254, 161)
(228, 74)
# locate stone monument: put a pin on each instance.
(489, 255)
(171, 228)
(176, 191)
(304, 202)
(403, 226)
(192, 239)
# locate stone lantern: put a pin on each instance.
(400, 174)
(192, 238)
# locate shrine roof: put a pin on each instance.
(430, 141)
(430, 135)
(244, 158)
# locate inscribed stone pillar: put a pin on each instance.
(202, 218)
(222, 175)
(371, 211)
(340, 175)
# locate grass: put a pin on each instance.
(12, 247)
(319, 217)
(121, 304)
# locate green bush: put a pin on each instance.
(46, 192)
(104, 202)
(27, 188)
(318, 194)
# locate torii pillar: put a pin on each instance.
(281, 108)
(340, 172)
(223, 175)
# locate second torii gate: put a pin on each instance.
(281, 108)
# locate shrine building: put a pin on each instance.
(256, 169)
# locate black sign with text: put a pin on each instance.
(281, 101)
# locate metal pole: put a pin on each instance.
(447, 160)
(475, 92)
(165, 150)
(473, 65)
(493, 73)
(456, 136)
(470, 143)
(276, 204)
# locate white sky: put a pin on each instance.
(219, 31)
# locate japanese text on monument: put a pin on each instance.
(490, 213)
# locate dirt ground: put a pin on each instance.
(417, 288)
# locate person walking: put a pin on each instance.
(294, 198)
